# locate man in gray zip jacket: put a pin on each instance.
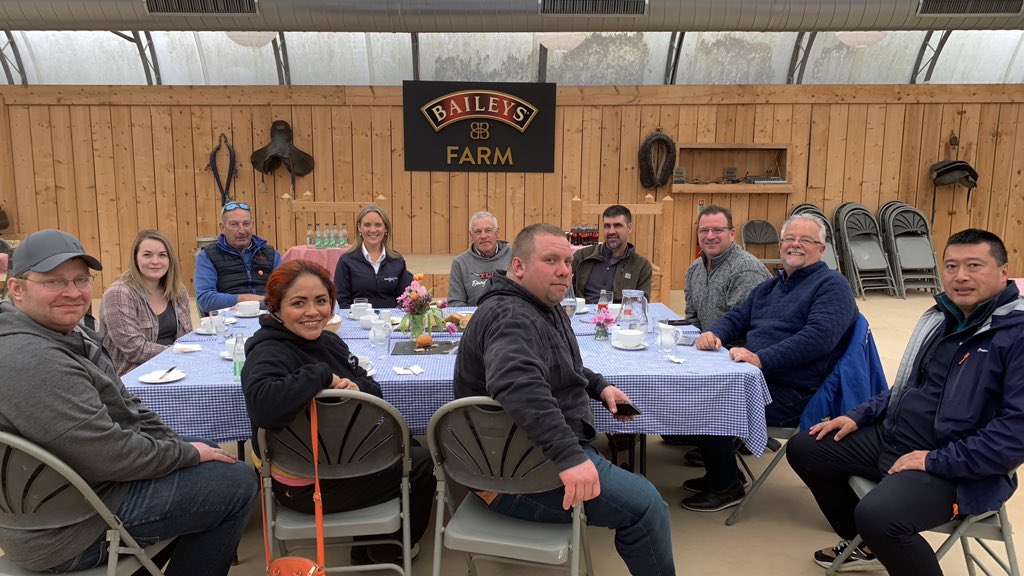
(61, 392)
(724, 275)
(472, 270)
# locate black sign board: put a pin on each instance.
(479, 127)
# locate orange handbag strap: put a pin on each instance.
(318, 506)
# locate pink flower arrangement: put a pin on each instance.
(605, 319)
(417, 298)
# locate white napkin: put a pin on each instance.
(677, 359)
(182, 348)
(410, 371)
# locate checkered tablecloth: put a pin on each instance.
(706, 394)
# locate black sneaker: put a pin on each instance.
(699, 485)
(859, 560)
(694, 458)
(715, 500)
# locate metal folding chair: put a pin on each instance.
(477, 445)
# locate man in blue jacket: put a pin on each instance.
(236, 268)
(948, 436)
(793, 325)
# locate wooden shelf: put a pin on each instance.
(707, 161)
(733, 189)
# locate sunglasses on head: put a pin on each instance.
(234, 206)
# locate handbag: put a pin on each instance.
(297, 565)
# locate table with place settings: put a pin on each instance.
(699, 393)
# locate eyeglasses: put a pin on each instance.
(801, 241)
(55, 285)
(716, 231)
(235, 206)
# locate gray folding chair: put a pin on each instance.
(43, 493)
(761, 233)
(993, 525)
(477, 445)
(360, 434)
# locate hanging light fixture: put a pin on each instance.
(257, 39)
(861, 39)
(561, 41)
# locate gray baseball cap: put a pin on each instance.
(45, 250)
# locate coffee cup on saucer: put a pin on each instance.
(248, 308)
(630, 338)
(360, 309)
(366, 320)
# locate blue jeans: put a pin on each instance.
(206, 507)
(628, 504)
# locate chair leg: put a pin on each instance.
(838, 562)
(439, 505)
(757, 484)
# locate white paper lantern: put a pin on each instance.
(861, 39)
(252, 39)
(561, 41)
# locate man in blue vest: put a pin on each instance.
(236, 268)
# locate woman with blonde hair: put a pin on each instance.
(147, 308)
(371, 269)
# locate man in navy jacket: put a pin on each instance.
(794, 326)
(947, 438)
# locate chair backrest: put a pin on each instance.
(40, 491)
(760, 232)
(478, 445)
(585, 214)
(359, 434)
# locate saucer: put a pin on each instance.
(209, 332)
(641, 346)
(250, 315)
(226, 355)
(230, 321)
(584, 310)
(155, 377)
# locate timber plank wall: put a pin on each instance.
(102, 162)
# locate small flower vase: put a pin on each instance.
(600, 332)
(417, 326)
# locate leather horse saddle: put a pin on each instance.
(280, 151)
(954, 172)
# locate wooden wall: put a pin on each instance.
(103, 162)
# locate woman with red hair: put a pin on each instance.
(289, 360)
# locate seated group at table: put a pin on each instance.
(946, 439)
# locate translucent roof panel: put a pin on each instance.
(352, 58)
(610, 58)
(505, 57)
(981, 57)
(735, 57)
(890, 61)
(79, 58)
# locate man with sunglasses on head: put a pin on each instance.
(60, 391)
(234, 269)
(792, 326)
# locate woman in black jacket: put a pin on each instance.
(288, 361)
(371, 269)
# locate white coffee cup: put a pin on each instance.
(630, 338)
(365, 363)
(359, 310)
(206, 324)
(581, 303)
(366, 320)
(613, 309)
(385, 315)
(248, 308)
(229, 344)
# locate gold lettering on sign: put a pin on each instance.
(479, 156)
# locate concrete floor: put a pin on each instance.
(781, 527)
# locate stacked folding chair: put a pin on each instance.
(830, 257)
(907, 238)
(859, 241)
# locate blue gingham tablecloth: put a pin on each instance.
(706, 394)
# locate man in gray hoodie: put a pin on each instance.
(61, 392)
(472, 270)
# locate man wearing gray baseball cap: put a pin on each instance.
(61, 391)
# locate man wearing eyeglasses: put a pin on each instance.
(472, 270)
(234, 269)
(724, 274)
(60, 391)
(793, 325)
(613, 265)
